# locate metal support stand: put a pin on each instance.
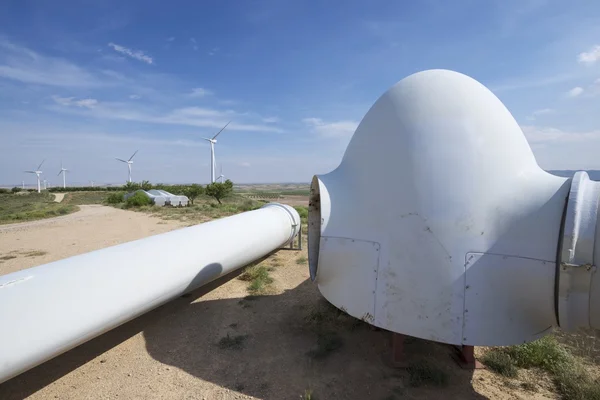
(299, 235)
(465, 358)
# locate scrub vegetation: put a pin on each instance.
(548, 356)
(29, 206)
(258, 278)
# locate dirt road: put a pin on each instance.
(222, 344)
(27, 244)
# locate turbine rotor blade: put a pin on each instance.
(120, 160)
(30, 172)
(133, 155)
(40, 166)
(214, 137)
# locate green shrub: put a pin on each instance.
(500, 362)
(303, 212)
(259, 279)
(569, 375)
(4, 191)
(16, 189)
(115, 198)
(545, 353)
(139, 199)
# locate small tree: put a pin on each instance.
(146, 185)
(219, 190)
(115, 198)
(193, 191)
(16, 189)
(131, 186)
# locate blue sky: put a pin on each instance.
(87, 81)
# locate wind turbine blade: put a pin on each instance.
(30, 172)
(40, 165)
(120, 160)
(133, 155)
(214, 137)
(207, 139)
(61, 171)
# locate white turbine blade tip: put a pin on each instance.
(214, 137)
(133, 155)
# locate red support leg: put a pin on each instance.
(398, 356)
(465, 358)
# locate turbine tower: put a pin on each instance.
(63, 171)
(129, 163)
(212, 153)
(37, 173)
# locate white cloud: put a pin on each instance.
(537, 113)
(589, 57)
(530, 82)
(244, 164)
(194, 43)
(135, 96)
(339, 129)
(170, 39)
(70, 101)
(545, 135)
(24, 65)
(576, 91)
(200, 92)
(270, 120)
(135, 54)
(543, 111)
(213, 51)
(189, 116)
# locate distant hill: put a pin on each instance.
(594, 174)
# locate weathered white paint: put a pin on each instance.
(439, 170)
(49, 309)
(579, 283)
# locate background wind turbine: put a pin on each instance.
(129, 163)
(37, 173)
(63, 171)
(212, 153)
(221, 176)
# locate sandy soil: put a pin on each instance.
(93, 227)
(58, 197)
(294, 200)
(173, 352)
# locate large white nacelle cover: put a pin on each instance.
(439, 223)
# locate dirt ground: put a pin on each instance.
(173, 352)
(294, 200)
(58, 197)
